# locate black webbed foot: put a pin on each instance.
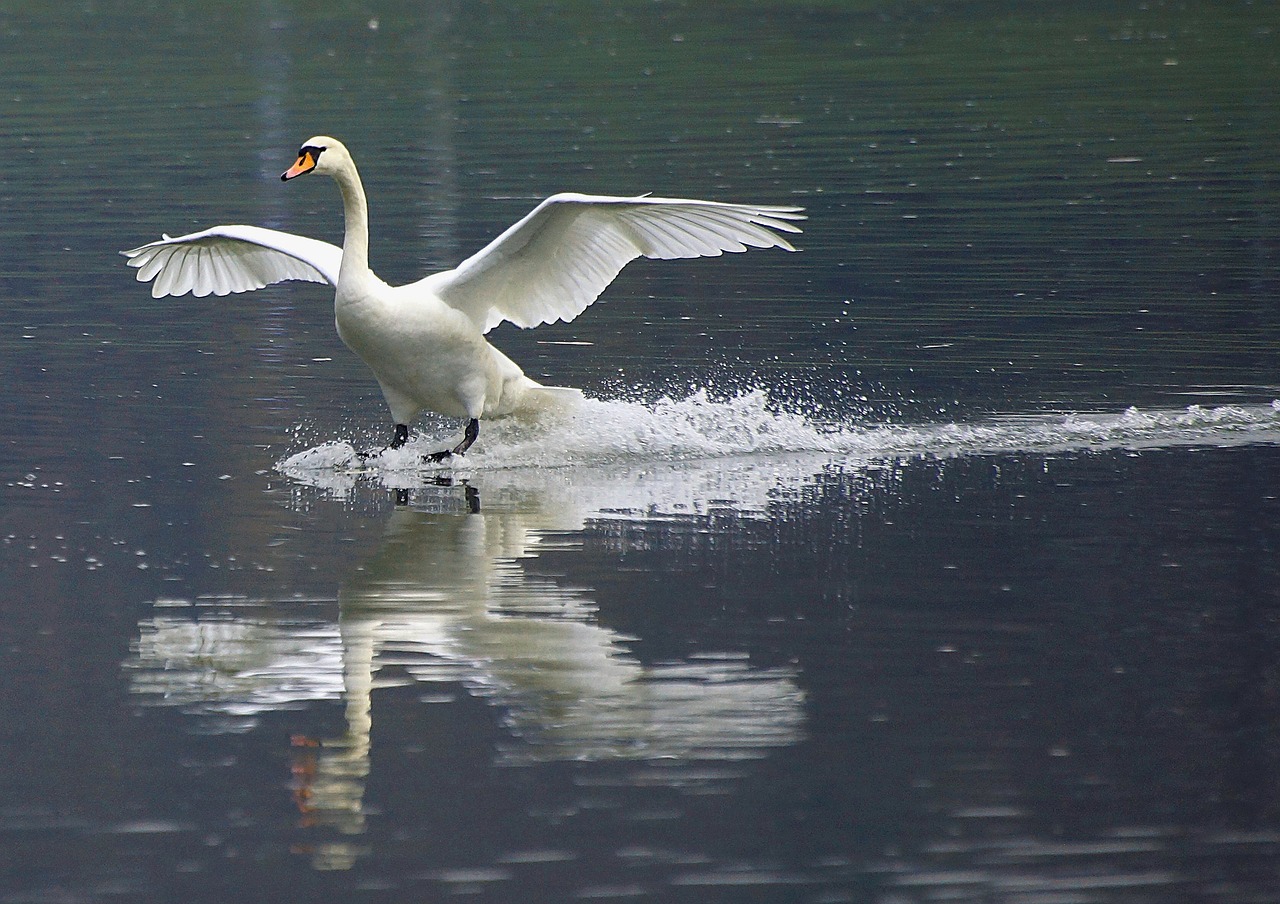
(468, 437)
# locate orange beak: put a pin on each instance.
(305, 164)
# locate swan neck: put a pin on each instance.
(355, 208)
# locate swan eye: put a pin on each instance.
(308, 157)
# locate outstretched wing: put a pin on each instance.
(557, 260)
(228, 259)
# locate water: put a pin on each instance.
(935, 562)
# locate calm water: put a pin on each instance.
(936, 562)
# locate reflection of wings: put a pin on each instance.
(570, 688)
(237, 668)
(447, 599)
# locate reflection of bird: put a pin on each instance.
(447, 601)
(425, 341)
(451, 589)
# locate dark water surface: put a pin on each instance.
(938, 562)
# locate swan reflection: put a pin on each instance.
(446, 599)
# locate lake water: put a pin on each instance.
(939, 561)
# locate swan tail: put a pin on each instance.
(534, 401)
(550, 399)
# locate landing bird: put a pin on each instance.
(425, 341)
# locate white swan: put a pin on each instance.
(425, 341)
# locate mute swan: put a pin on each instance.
(425, 341)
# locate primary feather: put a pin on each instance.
(228, 259)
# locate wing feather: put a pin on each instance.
(148, 268)
(228, 259)
(677, 239)
(172, 272)
(555, 262)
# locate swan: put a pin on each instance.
(425, 341)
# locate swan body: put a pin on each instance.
(425, 341)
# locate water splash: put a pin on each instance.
(698, 454)
(698, 427)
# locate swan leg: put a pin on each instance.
(468, 437)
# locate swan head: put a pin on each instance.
(321, 155)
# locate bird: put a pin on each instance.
(425, 341)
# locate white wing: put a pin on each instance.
(556, 261)
(228, 259)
